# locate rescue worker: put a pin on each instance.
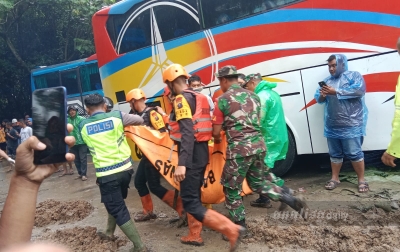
(190, 126)
(196, 85)
(146, 171)
(393, 150)
(238, 112)
(104, 135)
(273, 127)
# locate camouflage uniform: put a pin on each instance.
(239, 109)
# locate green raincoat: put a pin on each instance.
(273, 124)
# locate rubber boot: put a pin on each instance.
(111, 225)
(169, 200)
(262, 202)
(131, 232)
(220, 223)
(297, 204)
(194, 236)
(288, 191)
(147, 213)
(242, 223)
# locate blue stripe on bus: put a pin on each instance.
(61, 67)
(278, 16)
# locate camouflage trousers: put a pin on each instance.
(258, 177)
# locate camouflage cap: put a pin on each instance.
(226, 71)
(252, 76)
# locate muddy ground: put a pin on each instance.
(69, 212)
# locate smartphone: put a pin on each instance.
(49, 116)
(322, 83)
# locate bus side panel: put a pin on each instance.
(380, 74)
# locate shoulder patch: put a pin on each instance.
(182, 108)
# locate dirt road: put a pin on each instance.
(69, 212)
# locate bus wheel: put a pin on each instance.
(283, 166)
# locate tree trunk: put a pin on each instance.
(14, 51)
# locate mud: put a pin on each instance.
(61, 212)
(84, 239)
(374, 230)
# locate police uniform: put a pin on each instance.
(104, 135)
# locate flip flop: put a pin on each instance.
(62, 175)
(84, 178)
(70, 173)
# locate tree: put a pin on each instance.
(36, 33)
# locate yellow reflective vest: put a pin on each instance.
(394, 146)
(104, 135)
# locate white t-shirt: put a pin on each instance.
(25, 133)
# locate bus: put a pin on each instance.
(79, 77)
(286, 41)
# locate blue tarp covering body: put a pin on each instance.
(345, 113)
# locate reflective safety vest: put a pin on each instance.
(104, 135)
(202, 122)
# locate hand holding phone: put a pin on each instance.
(49, 107)
(322, 84)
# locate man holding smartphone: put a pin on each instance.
(345, 118)
(104, 135)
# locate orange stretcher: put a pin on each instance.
(163, 154)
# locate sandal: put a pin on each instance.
(59, 170)
(70, 173)
(363, 187)
(331, 184)
(84, 178)
(62, 175)
(78, 177)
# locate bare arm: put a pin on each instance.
(18, 215)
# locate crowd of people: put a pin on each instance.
(246, 110)
(12, 134)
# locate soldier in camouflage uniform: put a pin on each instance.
(238, 113)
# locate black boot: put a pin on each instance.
(288, 191)
(297, 204)
(246, 233)
(263, 202)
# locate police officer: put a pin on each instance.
(190, 126)
(104, 135)
(146, 171)
(238, 112)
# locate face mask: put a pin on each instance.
(198, 90)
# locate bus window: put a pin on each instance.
(175, 22)
(137, 35)
(90, 78)
(69, 80)
(218, 12)
(47, 80)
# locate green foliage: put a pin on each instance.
(36, 33)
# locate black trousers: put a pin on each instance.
(194, 178)
(146, 173)
(80, 152)
(114, 192)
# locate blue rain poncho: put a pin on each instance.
(273, 124)
(345, 113)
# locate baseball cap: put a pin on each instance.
(226, 71)
(14, 121)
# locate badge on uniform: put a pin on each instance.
(179, 102)
(154, 114)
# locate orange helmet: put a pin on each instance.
(136, 94)
(217, 93)
(174, 71)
